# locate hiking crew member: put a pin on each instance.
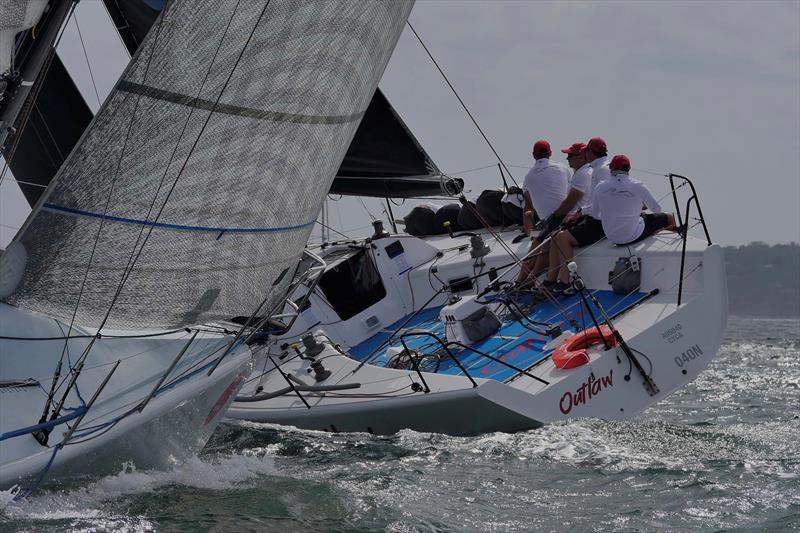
(570, 207)
(587, 229)
(618, 202)
(545, 188)
(579, 184)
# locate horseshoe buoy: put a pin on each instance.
(573, 352)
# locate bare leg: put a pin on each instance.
(554, 257)
(528, 265)
(542, 258)
(566, 245)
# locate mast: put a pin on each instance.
(18, 96)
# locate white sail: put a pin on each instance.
(206, 166)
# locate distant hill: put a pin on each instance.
(764, 280)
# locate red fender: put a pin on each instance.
(573, 353)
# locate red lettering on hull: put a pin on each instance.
(588, 390)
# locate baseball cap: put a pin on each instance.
(620, 162)
(597, 145)
(576, 148)
(541, 149)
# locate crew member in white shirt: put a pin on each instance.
(618, 202)
(570, 207)
(587, 229)
(544, 189)
(580, 183)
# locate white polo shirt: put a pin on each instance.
(618, 201)
(582, 181)
(600, 172)
(546, 183)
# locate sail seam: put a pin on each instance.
(230, 109)
(165, 225)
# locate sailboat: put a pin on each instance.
(428, 333)
(187, 200)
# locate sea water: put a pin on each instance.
(722, 453)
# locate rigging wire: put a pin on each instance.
(86, 56)
(52, 139)
(461, 101)
(366, 209)
(329, 228)
(75, 371)
(133, 259)
(476, 169)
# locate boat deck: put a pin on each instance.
(512, 343)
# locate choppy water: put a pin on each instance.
(723, 453)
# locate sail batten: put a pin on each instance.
(215, 148)
(227, 109)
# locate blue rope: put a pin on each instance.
(94, 429)
(44, 425)
(40, 478)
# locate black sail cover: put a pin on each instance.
(384, 160)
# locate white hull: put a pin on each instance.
(679, 341)
(175, 424)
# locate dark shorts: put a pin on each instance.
(587, 230)
(551, 224)
(652, 223)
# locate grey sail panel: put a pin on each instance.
(220, 151)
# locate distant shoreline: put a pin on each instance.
(763, 280)
(751, 317)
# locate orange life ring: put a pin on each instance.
(573, 353)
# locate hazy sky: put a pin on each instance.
(706, 89)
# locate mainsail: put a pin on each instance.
(383, 160)
(207, 165)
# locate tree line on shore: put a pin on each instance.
(763, 279)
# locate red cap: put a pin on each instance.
(597, 145)
(576, 148)
(541, 149)
(620, 162)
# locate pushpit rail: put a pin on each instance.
(683, 224)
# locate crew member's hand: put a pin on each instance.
(543, 223)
